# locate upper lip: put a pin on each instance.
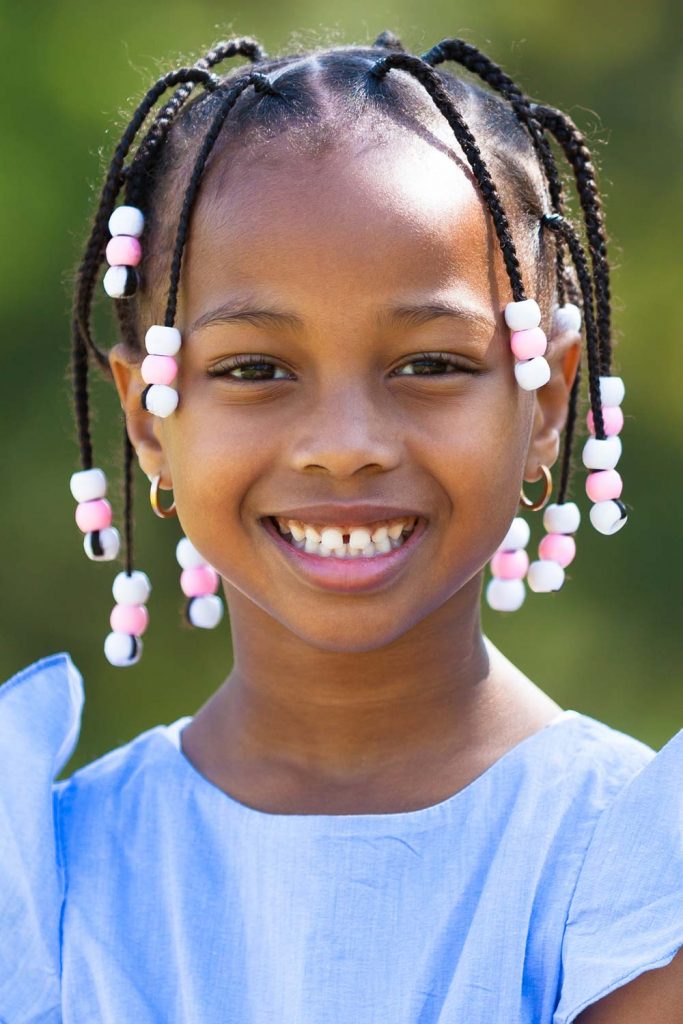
(357, 514)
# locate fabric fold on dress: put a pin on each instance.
(626, 913)
(34, 747)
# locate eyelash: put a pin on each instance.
(242, 361)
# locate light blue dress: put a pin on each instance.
(137, 892)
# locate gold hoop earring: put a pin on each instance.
(534, 506)
(163, 513)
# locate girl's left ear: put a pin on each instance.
(552, 402)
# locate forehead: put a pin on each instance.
(360, 224)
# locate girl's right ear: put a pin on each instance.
(142, 426)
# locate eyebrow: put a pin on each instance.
(411, 315)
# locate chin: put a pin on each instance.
(352, 637)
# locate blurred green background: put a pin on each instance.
(609, 644)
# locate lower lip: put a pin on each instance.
(347, 575)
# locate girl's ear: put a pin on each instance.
(552, 403)
(142, 426)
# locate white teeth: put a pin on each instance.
(359, 538)
(363, 542)
(332, 538)
(296, 529)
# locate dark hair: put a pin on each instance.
(314, 96)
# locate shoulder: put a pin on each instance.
(626, 912)
(40, 714)
(573, 770)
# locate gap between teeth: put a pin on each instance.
(362, 542)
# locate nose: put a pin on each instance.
(346, 430)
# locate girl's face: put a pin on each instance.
(344, 344)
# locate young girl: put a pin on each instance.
(376, 817)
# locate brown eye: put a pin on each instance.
(249, 368)
(432, 366)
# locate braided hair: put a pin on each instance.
(507, 141)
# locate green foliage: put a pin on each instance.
(609, 643)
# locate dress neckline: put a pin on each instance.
(423, 816)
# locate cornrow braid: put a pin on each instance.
(574, 145)
(261, 85)
(559, 224)
(431, 82)
(141, 164)
(474, 60)
(82, 341)
(387, 40)
(566, 457)
(128, 456)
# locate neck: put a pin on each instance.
(343, 717)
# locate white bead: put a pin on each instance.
(109, 543)
(608, 516)
(532, 373)
(565, 518)
(567, 319)
(521, 316)
(205, 612)
(133, 589)
(122, 650)
(544, 576)
(115, 281)
(162, 341)
(612, 391)
(517, 536)
(161, 400)
(88, 484)
(187, 555)
(126, 220)
(505, 595)
(602, 453)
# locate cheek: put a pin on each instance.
(217, 454)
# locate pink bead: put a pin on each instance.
(129, 618)
(93, 515)
(528, 344)
(199, 581)
(159, 369)
(510, 565)
(603, 485)
(613, 418)
(123, 251)
(557, 547)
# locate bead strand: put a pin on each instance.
(505, 592)
(129, 619)
(600, 455)
(94, 515)
(199, 582)
(557, 549)
(528, 343)
(159, 369)
(123, 252)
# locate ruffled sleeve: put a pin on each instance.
(40, 716)
(626, 914)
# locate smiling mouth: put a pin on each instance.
(346, 542)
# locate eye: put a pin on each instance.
(245, 368)
(433, 364)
